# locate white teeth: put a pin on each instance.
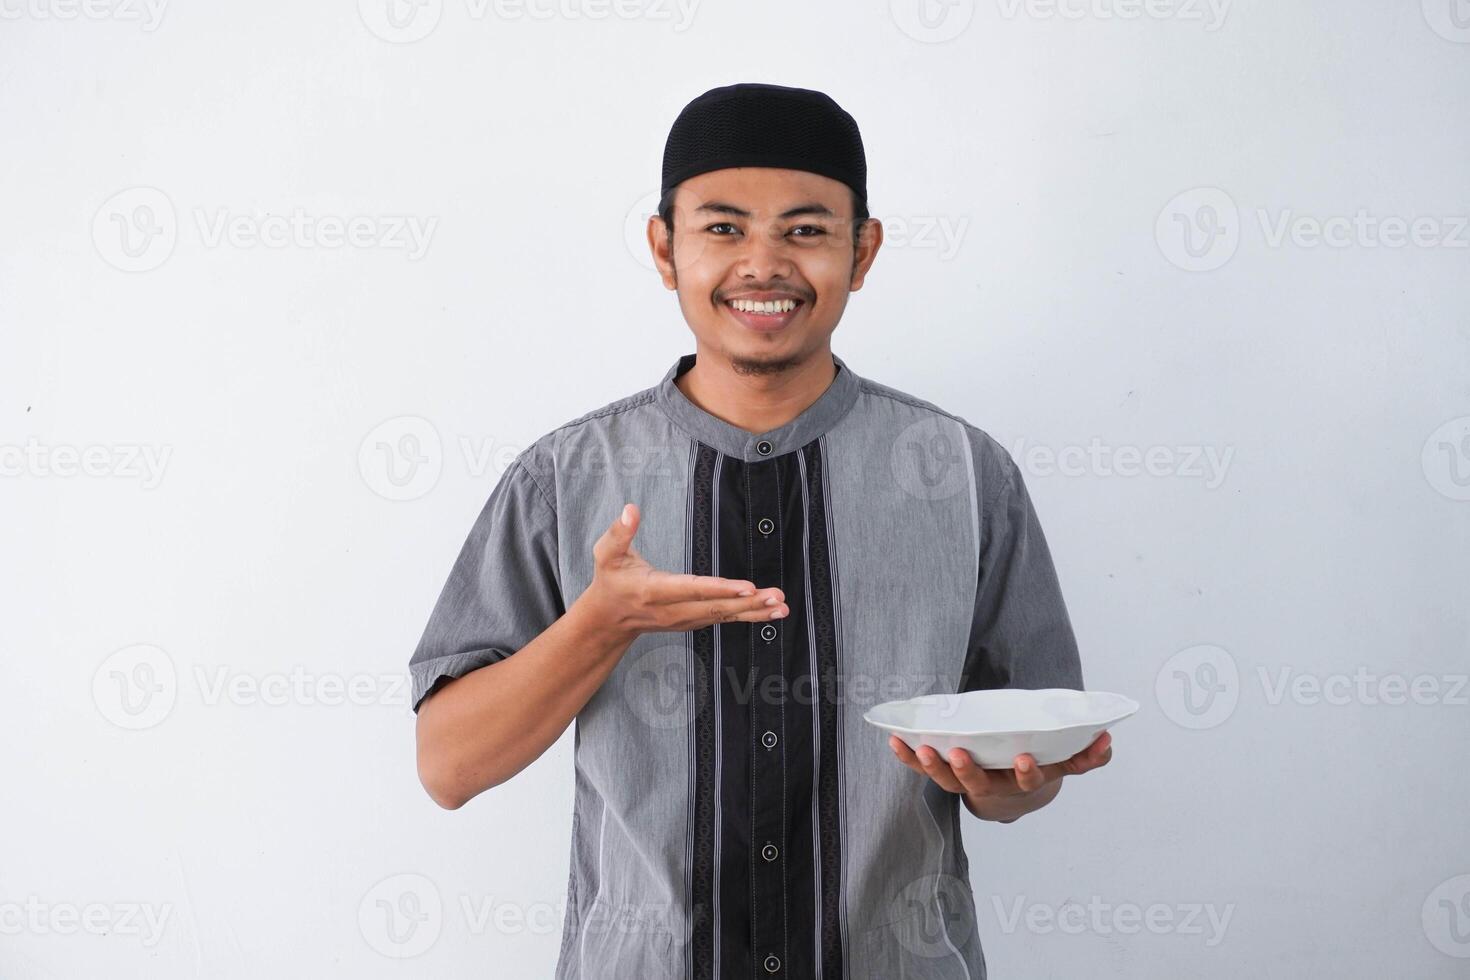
(767, 307)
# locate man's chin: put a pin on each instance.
(762, 359)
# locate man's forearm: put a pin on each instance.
(479, 730)
(1007, 809)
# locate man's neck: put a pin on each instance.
(756, 402)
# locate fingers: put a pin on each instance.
(959, 773)
(617, 539)
(644, 599)
(928, 763)
(666, 587)
(904, 753)
(670, 587)
(924, 762)
(1029, 775)
(1095, 756)
(973, 779)
(696, 614)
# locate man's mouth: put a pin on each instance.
(764, 314)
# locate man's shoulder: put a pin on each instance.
(539, 458)
(991, 458)
(627, 403)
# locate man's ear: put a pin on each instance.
(870, 239)
(659, 241)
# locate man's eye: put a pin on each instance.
(723, 224)
(815, 230)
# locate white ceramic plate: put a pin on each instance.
(1052, 724)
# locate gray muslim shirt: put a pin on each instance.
(734, 815)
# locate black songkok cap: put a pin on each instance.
(757, 125)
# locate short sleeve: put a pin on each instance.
(503, 590)
(1021, 635)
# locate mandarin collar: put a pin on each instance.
(818, 417)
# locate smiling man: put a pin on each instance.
(815, 543)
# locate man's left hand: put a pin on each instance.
(1001, 794)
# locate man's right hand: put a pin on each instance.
(482, 728)
(632, 597)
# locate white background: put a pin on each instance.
(1029, 166)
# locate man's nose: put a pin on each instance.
(763, 255)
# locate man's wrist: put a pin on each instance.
(988, 808)
(592, 626)
(1009, 809)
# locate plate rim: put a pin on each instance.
(1127, 709)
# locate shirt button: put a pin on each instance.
(768, 632)
(763, 447)
(769, 739)
(769, 852)
(765, 526)
(773, 963)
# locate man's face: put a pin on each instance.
(762, 235)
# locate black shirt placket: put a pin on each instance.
(765, 515)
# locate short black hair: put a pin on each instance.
(666, 212)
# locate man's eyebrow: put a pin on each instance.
(813, 208)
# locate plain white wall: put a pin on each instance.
(204, 539)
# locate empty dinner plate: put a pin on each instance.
(1052, 724)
